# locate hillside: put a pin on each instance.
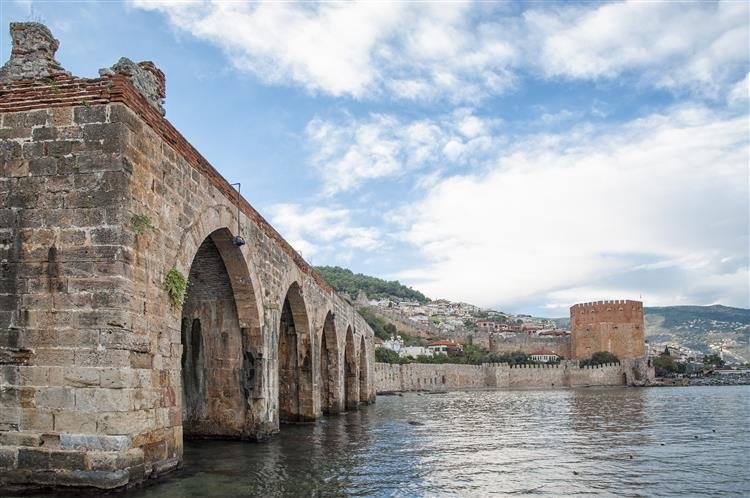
(703, 328)
(344, 280)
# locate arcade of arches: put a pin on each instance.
(218, 365)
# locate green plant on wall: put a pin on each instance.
(140, 223)
(176, 285)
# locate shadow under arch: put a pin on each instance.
(364, 375)
(351, 391)
(330, 401)
(295, 360)
(220, 324)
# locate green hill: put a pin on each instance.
(345, 280)
(698, 326)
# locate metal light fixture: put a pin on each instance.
(238, 241)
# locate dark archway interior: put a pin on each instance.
(289, 400)
(350, 373)
(328, 368)
(213, 401)
(363, 371)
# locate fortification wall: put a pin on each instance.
(615, 326)
(422, 376)
(528, 344)
(612, 374)
(443, 377)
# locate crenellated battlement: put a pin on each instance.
(607, 305)
(568, 373)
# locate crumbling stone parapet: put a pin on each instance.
(33, 54)
(146, 77)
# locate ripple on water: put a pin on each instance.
(602, 442)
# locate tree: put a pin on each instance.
(515, 358)
(385, 355)
(664, 365)
(345, 280)
(714, 359)
(600, 358)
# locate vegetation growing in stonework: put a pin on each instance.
(140, 223)
(344, 280)
(600, 358)
(176, 286)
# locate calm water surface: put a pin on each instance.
(608, 441)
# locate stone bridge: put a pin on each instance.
(142, 300)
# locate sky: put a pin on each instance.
(518, 156)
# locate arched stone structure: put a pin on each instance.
(364, 376)
(295, 360)
(87, 328)
(329, 387)
(351, 372)
(213, 398)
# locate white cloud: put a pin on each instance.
(354, 49)
(577, 215)
(740, 92)
(671, 44)
(351, 152)
(320, 231)
(464, 52)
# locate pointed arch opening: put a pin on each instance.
(329, 368)
(295, 360)
(363, 372)
(218, 317)
(351, 394)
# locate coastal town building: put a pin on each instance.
(415, 351)
(445, 347)
(544, 356)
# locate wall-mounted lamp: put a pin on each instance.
(238, 241)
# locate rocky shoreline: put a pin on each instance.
(724, 380)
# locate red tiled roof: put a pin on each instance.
(446, 342)
(544, 351)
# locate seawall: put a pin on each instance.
(447, 377)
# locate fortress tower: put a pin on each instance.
(614, 326)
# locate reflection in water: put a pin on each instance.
(618, 441)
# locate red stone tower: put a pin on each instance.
(614, 326)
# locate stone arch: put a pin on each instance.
(295, 359)
(364, 376)
(217, 318)
(214, 221)
(329, 367)
(351, 387)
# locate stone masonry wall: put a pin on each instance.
(444, 377)
(529, 344)
(614, 326)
